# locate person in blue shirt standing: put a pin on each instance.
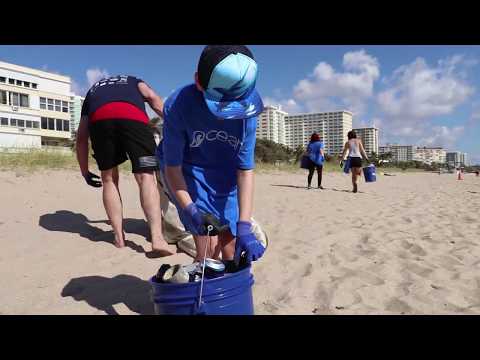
(316, 156)
(207, 152)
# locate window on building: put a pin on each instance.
(19, 83)
(26, 84)
(20, 123)
(13, 122)
(2, 79)
(14, 99)
(34, 86)
(4, 121)
(50, 104)
(28, 124)
(3, 97)
(51, 124)
(59, 124)
(66, 125)
(58, 105)
(65, 106)
(44, 123)
(35, 124)
(43, 103)
(24, 100)
(11, 81)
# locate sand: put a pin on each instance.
(407, 244)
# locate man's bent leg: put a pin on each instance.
(112, 202)
(150, 201)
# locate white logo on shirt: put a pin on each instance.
(213, 135)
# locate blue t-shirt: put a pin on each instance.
(210, 151)
(313, 151)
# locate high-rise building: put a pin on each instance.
(331, 126)
(457, 158)
(271, 124)
(429, 155)
(399, 152)
(34, 107)
(76, 103)
(369, 138)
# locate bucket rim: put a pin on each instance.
(209, 281)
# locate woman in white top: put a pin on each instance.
(355, 150)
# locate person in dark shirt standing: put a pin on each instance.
(115, 119)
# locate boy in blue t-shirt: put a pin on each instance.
(207, 152)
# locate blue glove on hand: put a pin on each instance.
(248, 243)
(204, 221)
(196, 218)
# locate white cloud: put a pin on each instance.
(418, 91)
(326, 89)
(95, 74)
(443, 136)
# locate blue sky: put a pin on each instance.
(424, 95)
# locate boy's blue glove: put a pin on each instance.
(248, 243)
(203, 222)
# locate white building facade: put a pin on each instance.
(369, 138)
(76, 103)
(331, 126)
(34, 107)
(271, 124)
(457, 158)
(399, 152)
(429, 155)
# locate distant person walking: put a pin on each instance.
(355, 150)
(316, 156)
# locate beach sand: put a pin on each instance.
(407, 244)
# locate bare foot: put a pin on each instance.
(161, 249)
(119, 243)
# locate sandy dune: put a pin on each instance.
(407, 244)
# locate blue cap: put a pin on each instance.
(230, 92)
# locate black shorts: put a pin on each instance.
(114, 140)
(355, 162)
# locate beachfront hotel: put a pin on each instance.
(34, 108)
(331, 126)
(76, 103)
(457, 158)
(429, 155)
(271, 124)
(399, 152)
(369, 137)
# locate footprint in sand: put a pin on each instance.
(293, 256)
(398, 306)
(418, 250)
(308, 270)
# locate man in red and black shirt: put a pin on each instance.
(115, 119)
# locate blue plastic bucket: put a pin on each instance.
(370, 173)
(346, 166)
(230, 294)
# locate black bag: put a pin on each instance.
(305, 162)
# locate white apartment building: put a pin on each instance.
(399, 152)
(369, 138)
(34, 107)
(331, 126)
(457, 158)
(76, 103)
(271, 124)
(429, 155)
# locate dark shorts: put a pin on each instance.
(355, 162)
(114, 141)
